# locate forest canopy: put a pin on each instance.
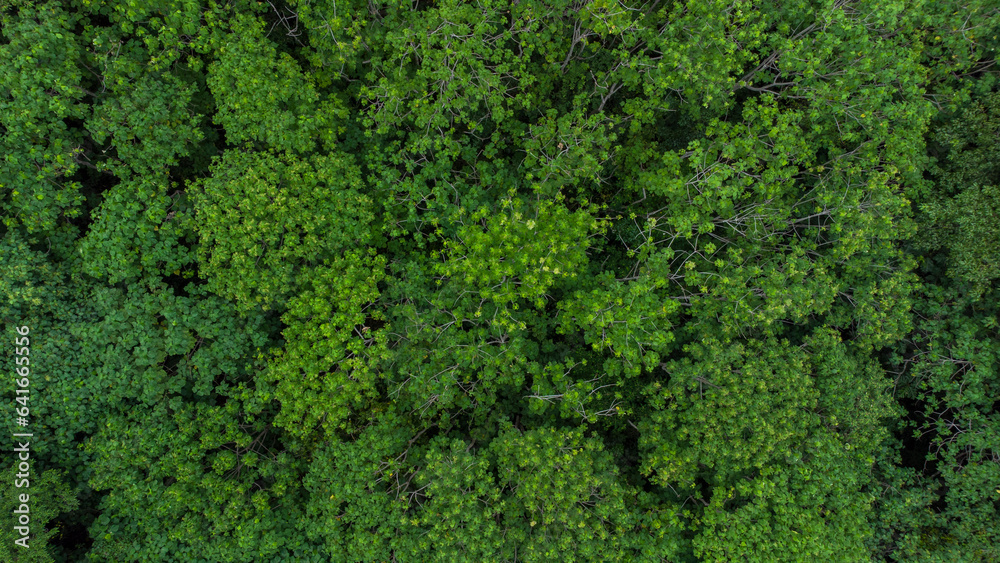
(503, 281)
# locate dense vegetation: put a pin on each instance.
(504, 280)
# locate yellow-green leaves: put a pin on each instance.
(566, 500)
(264, 97)
(329, 367)
(506, 280)
(264, 219)
(520, 249)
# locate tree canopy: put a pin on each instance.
(511, 281)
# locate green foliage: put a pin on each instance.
(507, 280)
(54, 306)
(198, 484)
(264, 219)
(728, 415)
(956, 350)
(565, 502)
(149, 123)
(263, 96)
(965, 146)
(950, 511)
(458, 520)
(518, 251)
(350, 509)
(968, 224)
(632, 320)
(810, 509)
(41, 84)
(328, 368)
(961, 214)
(140, 229)
(47, 496)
